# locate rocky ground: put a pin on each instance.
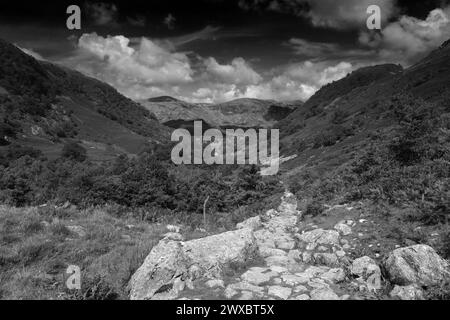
(281, 256)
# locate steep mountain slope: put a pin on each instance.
(380, 145)
(236, 113)
(42, 104)
(341, 116)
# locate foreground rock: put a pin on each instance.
(277, 256)
(171, 265)
(416, 265)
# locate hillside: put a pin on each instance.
(377, 140)
(236, 113)
(42, 105)
(341, 116)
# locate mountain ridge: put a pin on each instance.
(44, 104)
(244, 112)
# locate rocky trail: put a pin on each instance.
(279, 256)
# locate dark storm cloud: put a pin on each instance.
(217, 50)
(341, 14)
(102, 13)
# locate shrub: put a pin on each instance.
(339, 116)
(314, 209)
(32, 225)
(332, 135)
(445, 247)
(440, 292)
(60, 230)
(74, 151)
(96, 288)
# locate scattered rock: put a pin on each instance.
(368, 272)
(418, 264)
(246, 295)
(343, 228)
(252, 223)
(215, 283)
(323, 294)
(301, 297)
(280, 292)
(267, 252)
(410, 292)
(278, 269)
(295, 255)
(245, 286)
(293, 280)
(257, 276)
(230, 292)
(326, 259)
(299, 289)
(320, 236)
(283, 261)
(333, 275)
(78, 230)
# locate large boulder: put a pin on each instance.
(173, 264)
(165, 263)
(212, 253)
(416, 265)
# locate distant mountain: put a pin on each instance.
(42, 105)
(236, 113)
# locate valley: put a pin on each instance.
(86, 178)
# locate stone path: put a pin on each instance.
(295, 266)
(275, 256)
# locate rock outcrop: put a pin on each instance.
(175, 262)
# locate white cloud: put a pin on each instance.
(115, 61)
(410, 39)
(238, 72)
(149, 68)
(300, 81)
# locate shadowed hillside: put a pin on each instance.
(42, 105)
(379, 138)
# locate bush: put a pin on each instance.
(339, 116)
(332, 135)
(314, 209)
(440, 292)
(74, 151)
(445, 247)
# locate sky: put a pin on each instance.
(213, 51)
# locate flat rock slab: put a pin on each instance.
(189, 261)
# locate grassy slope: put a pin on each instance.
(367, 106)
(107, 122)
